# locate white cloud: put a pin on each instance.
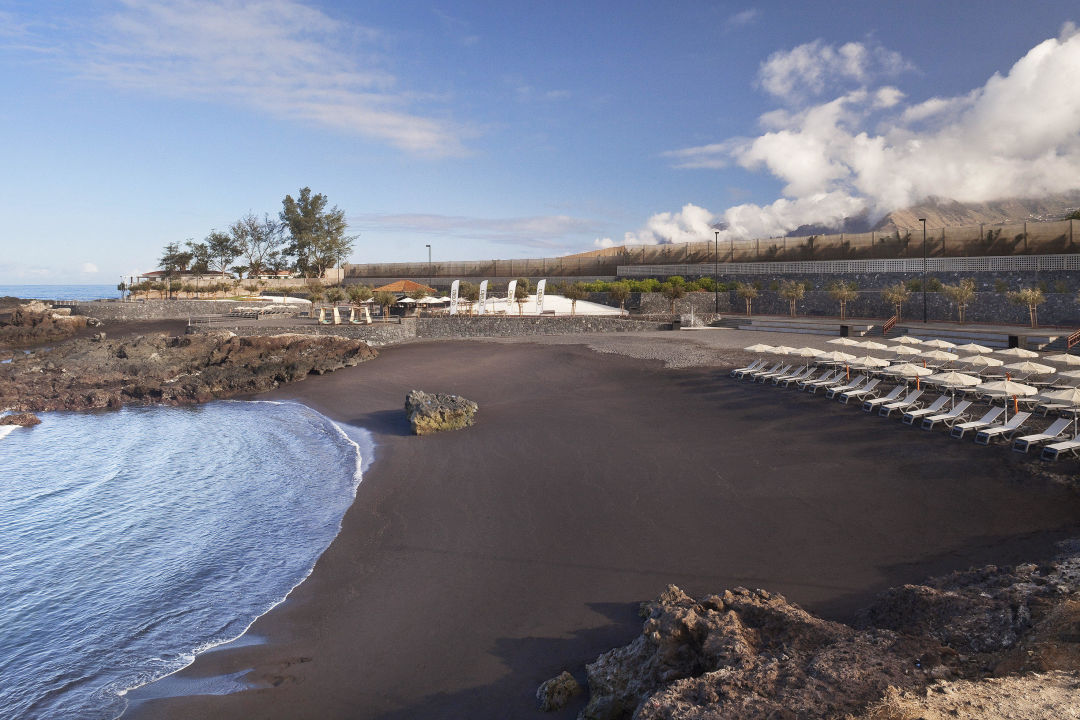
(812, 68)
(280, 57)
(536, 231)
(690, 224)
(1016, 136)
(89, 268)
(741, 19)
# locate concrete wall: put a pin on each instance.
(377, 334)
(156, 309)
(520, 326)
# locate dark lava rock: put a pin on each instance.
(553, 694)
(23, 419)
(434, 412)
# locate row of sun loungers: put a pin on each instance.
(910, 403)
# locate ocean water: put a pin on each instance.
(130, 541)
(60, 292)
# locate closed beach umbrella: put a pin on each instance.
(954, 379)
(907, 340)
(759, 348)
(905, 350)
(908, 370)
(1031, 368)
(982, 361)
(843, 341)
(1017, 352)
(940, 355)
(1063, 359)
(871, 345)
(973, 348)
(940, 344)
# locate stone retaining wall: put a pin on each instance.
(156, 309)
(376, 334)
(520, 326)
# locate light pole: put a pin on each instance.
(428, 265)
(924, 314)
(715, 271)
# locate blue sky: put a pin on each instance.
(499, 130)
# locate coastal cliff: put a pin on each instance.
(917, 651)
(160, 369)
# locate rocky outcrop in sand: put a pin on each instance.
(751, 654)
(159, 369)
(553, 694)
(435, 412)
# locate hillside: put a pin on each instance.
(942, 212)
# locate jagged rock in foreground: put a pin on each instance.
(21, 419)
(159, 369)
(435, 412)
(36, 322)
(749, 654)
(553, 694)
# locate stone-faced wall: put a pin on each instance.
(520, 326)
(376, 334)
(156, 309)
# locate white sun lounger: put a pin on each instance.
(795, 375)
(827, 379)
(752, 373)
(786, 382)
(909, 401)
(865, 391)
(911, 415)
(1056, 429)
(1056, 450)
(762, 377)
(871, 403)
(986, 420)
(958, 413)
(850, 384)
(1006, 430)
(752, 366)
(850, 387)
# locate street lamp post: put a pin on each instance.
(924, 313)
(715, 271)
(429, 265)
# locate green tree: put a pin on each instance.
(335, 295)
(748, 293)
(1033, 298)
(359, 294)
(174, 262)
(384, 300)
(315, 291)
(521, 293)
(843, 293)
(792, 291)
(121, 287)
(221, 250)
(317, 236)
(619, 292)
(672, 291)
(256, 239)
(573, 293)
(961, 294)
(470, 293)
(897, 295)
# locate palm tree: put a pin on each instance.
(573, 293)
(897, 295)
(672, 291)
(747, 292)
(1033, 298)
(792, 291)
(619, 292)
(961, 293)
(843, 293)
(384, 300)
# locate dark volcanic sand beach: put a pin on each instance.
(476, 564)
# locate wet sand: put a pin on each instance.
(476, 564)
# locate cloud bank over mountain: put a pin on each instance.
(845, 142)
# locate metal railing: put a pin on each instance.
(1072, 340)
(889, 324)
(1008, 263)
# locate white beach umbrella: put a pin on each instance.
(807, 352)
(868, 361)
(1009, 387)
(908, 370)
(871, 345)
(1017, 353)
(973, 348)
(938, 343)
(982, 361)
(759, 348)
(1066, 395)
(1072, 374)
(940, 355)
(1031, 368)
(905, 350)
(1063, 359)
(782, 350)
(836, 356)
(954, 379)
(842, 341)
(907, 340)
(406, 301)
